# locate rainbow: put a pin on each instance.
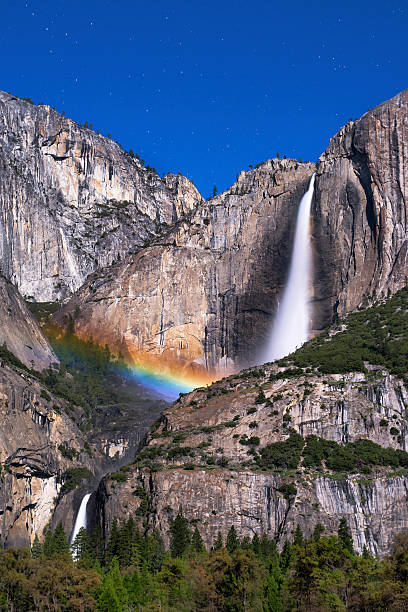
(165, 375)
(164, 382)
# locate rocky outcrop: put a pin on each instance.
(41, 435)
(204, 295)
(375, 509)
(361, 210)
(191, 286)
(199, 457)
(38, 443)
(72, 200)
(20, 332)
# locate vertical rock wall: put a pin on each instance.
(72, 201)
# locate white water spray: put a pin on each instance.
(291, 326)
(81, 517)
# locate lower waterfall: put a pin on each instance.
(291, 326)
(80, 520)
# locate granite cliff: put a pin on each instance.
(72, 200)
(52, 448)
(227, 455)
(41, 449)
(203, 295)
(361, 210)
(20, 332)
(174, 282)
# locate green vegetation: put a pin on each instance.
(377, 335)
(288, 490)
(281, 455)
(10, 358)
(134, 571)
(252, 441)
(42, 311)
(93, 370)
(73, 477)
(317, 453)
(91, 378)
(67, 451)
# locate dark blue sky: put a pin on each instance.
(206, 88)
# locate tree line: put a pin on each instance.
(135, 571)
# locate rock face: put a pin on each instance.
(205, 294)
(34, 431)
(361, 211)
(201, 460)
(375, 509)
(72, 201)
(177, 283)
(20, 332)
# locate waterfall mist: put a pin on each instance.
(291, 326)
(80, 520)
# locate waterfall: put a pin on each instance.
(291, 326)
(81, 517)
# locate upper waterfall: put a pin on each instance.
(291, 326)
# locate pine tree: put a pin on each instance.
(365, 553)
(256, 545)
(48, 545)
(153, 551)
(135, 556)
(135, 588)
(286, 555)
(148, 586)
(179, 535)
(232, 540)
(273, 597)
(59, 541)
(108, 600)
(112, 548)
(214, 191)
(37, 548)
(117, 581)
(345, 535)
(317, 532)
(80, 545)
(218, 544)
(125, 538)
(298, 537)
(97, 545)
(268, 548)
(197, 541)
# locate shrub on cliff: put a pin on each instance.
(318, 453)
(281, 455)
(377, 335)
(73, 477)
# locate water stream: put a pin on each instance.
(291, 325)
(80, 520)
